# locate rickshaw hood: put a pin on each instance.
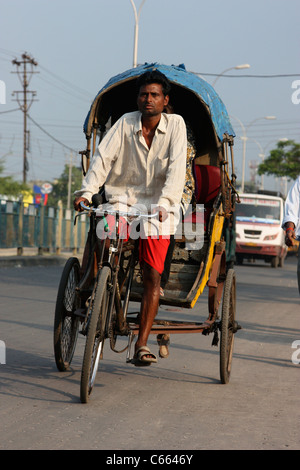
(179, 76)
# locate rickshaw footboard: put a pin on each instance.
(174, 327)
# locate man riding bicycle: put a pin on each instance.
(142, 160)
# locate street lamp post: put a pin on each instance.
(262, 156)
(237, 67)
(136, 30)
(244, 138)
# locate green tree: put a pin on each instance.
(61, 186)
(10, 187)
(282, 161)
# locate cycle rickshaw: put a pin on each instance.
(94, 294)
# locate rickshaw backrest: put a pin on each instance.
(207, 183)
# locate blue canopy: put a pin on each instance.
(179, 76)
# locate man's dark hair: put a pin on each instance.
(154, 76)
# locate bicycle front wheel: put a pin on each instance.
(66, 324)
(95, 334)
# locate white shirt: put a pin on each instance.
(134, 174)
(292, 207)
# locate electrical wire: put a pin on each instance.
(49, 135)
(9, 111)
(286, 75)
(71, 93)
(66, 82)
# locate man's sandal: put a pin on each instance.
(140, 358)
(163, 342)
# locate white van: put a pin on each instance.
(258, 229)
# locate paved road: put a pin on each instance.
(179, 403)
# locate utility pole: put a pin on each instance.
(25, 98)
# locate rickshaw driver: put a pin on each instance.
(143, 156)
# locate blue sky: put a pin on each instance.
(80, 45)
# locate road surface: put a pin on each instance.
(177, 404)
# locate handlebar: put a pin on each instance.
(104, 212)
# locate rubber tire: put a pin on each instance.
(227, 323)
(66, 325)
(275, 261)
(95, 335)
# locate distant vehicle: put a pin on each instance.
(258, 229)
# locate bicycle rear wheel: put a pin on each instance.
(228, 326)
(66, 324)
(96, 334)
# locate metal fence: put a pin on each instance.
(50, 229)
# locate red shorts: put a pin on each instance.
(152, 251)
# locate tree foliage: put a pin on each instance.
(61, 186)
(282, 161)
(11, 188)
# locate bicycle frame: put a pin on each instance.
(110, 254)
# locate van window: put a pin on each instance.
(265, 209)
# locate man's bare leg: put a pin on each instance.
(149, 304)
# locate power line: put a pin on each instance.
(248, 75)
(71, 93)
(66, 82)
(49, 135)
(9, 111)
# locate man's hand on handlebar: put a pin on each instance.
(77, 202)
(163, 214)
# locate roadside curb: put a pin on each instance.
(20, 261)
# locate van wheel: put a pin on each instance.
(281, 261)
(275, 261)
(239, 259)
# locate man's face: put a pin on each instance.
(151, 100)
